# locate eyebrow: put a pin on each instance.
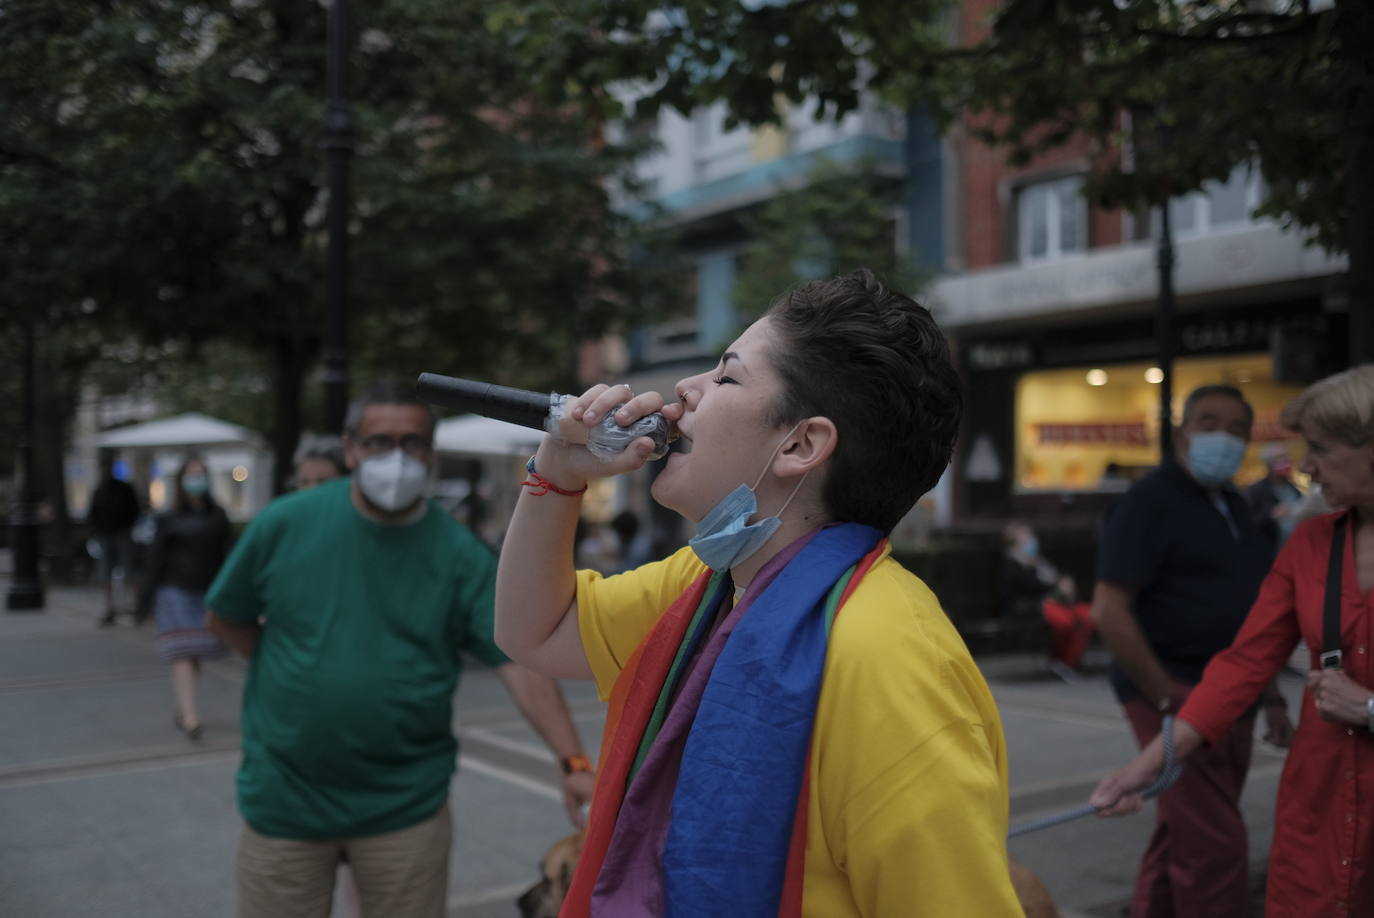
(731, 355)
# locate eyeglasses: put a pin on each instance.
(413, 444)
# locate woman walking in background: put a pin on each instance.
(192, 541)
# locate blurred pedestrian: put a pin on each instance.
(1031, 586)
(633, 540)
(114, 510)
(1322, 858)
(352, 601)
(597, 549)
(190, 544)
(752, 750)
(317, 460)
(1179, 564)
(1274, 499)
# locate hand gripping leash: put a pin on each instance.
(1167, 776)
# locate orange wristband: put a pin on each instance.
(575, 763)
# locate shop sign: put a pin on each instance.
(1000, 355)
(1226, 334)
(1131, 433)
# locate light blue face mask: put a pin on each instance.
(1214, 456)
(725, 537)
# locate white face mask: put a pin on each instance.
(393, 481)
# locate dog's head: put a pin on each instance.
(543, 899)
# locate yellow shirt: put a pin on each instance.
(908, 808)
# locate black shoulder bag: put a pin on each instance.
(1331, 613)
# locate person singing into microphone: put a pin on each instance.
(795, 727)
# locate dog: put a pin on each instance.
(1030, 892)
(543, 899)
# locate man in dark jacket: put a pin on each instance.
(114, 510)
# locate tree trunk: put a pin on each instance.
(1357, 33)
(55, 394)
(289, 362)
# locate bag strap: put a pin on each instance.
(1331, 613)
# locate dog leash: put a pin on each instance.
(1167, 776)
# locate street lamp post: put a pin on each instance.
(26, 588)
(338, 146)
(1164, 332)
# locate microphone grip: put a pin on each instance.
(544, 412)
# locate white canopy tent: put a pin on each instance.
(474, 435)
(239, 464)
(182, 430)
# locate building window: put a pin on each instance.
(717, 151)
(1218, 205)
(1052, 220)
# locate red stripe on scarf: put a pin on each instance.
(632, 702)
(790, 905)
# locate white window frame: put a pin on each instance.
(1050, 188)
(1201, 204)
(717, 152)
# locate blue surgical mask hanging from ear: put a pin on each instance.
(725, 537)
(1214, 456)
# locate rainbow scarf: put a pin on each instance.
(744, 769)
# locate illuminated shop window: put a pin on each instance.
(1072, 424)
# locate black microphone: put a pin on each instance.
(543, 411)
(518, 406)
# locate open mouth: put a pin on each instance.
(683, 444)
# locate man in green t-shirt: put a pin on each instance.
(351, 602)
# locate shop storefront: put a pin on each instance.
(1060, 420)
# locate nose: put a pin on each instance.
(685, 388)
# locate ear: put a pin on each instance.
(811, 444)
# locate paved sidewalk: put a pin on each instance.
(108, 811)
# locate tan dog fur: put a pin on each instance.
(1030, 892)
(543, 899)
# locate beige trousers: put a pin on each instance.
(402, 874)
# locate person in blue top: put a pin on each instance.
(1179, 565)
(352, 602)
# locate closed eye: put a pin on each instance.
(723, 379)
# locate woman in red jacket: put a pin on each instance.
(1322, 858)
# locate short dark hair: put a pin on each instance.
(322, 447)
(874, 362)
(387, 392)
(1202, 392)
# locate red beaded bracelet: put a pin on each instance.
(539, 485)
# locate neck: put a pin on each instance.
(368, 510)
(790, 530)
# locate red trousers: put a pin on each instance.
(1071, 627)
(1197, 863)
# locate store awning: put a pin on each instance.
(191, 429)
(474, 435)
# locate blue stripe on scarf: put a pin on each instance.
(736, 795)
